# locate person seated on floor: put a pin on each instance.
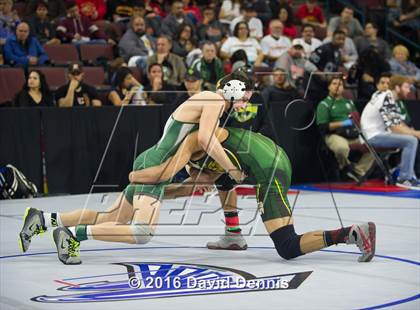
(338, 130)
(76, 93)
(35, 92)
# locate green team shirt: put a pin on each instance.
(404, 113)
(333, 110)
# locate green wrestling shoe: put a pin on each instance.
(33, 224)
(67, 246)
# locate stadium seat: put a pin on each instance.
(13, 81)
(5, 96)
(113, 30)
(91, 52)
(55, 76)
(94, 76)
(19, 7)
(62, 54)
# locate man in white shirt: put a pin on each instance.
(382, 125)
(248, 14)
(308, 40)
(275, 44)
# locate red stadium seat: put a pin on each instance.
(5, 96)
(13, 79)
(55, 76)
(91, 52)
(62, 54)
(349, 94)
(94, 76)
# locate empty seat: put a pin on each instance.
(5, 96)
(94, 76)
(62, 54)
(55, 76)
(13, 79)
(91, 52)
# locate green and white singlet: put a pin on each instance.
(173, 135)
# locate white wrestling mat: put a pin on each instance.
(182, 274)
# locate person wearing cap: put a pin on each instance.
(248, 15)
(275, 44)
(41, 26)
(294, 64)
(22, 49)
(209, 65)
(76, 93)
(193, 84)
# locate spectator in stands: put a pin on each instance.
(263, 11)
(93, 9)
(248, 15)
(405, 16)
(173, 65)
(210, 28)
(76, 93)
(229, 10)
(349, 54)
(192, 11)
(241, 40)
(209, 66)
(383, 127)
(369, 67)
(310, 13)
(8, 16)
(22, 49)
(78, 29)
(338, 130)
(135, 45)
(192, 85)
(401, 65)
(158, 91)
(294, 64)
(125, 88)
(308, 40)
(346, 18)
(184, 41)
(41, 26)
(120, 11)
(370, 38)
(275, 44)
(173, 21)
(281, 90)
(325, 59)
(156, 7)
(151, 19)
(56, 8)
(286, 17)
(35, 92)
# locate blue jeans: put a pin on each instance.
(408, 145)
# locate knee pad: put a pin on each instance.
(142, 233)
(287, 242)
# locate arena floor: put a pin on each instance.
(330, 279)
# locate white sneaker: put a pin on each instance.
(409, 184)
(364, 236)
(229, 241)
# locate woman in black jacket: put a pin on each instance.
(35, 92)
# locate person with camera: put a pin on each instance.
(332, 117)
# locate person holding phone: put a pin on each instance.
(76, 93)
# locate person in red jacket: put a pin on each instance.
(94, 9)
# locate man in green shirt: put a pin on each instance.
(332, 117)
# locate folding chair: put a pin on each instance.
(381, 155)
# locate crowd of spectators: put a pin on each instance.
(212, 38)
(183, 47)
